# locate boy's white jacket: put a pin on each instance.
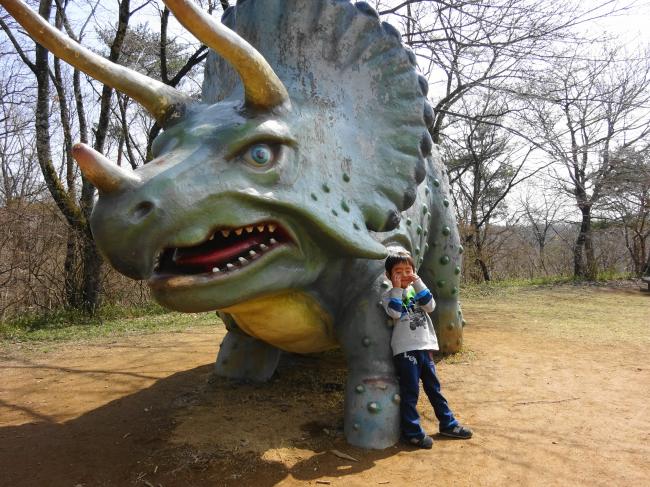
(409, 309)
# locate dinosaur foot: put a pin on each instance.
(449, 325)
(372, 411)
(246, 358)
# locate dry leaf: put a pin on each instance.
(344, 455)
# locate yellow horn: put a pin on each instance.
(158, 98)
(106, 176)
(262, 88)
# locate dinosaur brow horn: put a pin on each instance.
(158, 98)
(262, 87)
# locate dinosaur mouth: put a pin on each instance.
(225, 251)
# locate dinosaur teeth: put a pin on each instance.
(262, 227)
(217, 255)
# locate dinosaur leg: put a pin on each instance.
(244, 357)
(442, 278)
(372, 390)
(441, 265)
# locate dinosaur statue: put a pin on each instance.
(274, 199)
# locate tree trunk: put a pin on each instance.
(638, 259)
(92, 277)
(542, 257)
(91, 259)
(591, 265)
(578, 266)
(584, 260)
(478, 247)
(646, 269)
(484, 269)
(71, 287)
(77, 216)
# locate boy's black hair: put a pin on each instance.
(398, 257)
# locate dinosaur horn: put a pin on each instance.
(262, 88)
(106, 176)
(159, 99)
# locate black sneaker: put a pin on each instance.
(425, 442)
(457, 431)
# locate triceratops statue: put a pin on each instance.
(274, 200)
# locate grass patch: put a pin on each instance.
(60, 325)
(465, 356)
(614, 276)
(581, 313)
(60, 318)
(505, 286)
(559, 306)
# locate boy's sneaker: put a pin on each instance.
(424, 442)
(457, 431)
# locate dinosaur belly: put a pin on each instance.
(292, 321)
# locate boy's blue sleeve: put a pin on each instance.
(423, 296)
(392, 303)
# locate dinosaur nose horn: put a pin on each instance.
(263, 89)
(106, 176)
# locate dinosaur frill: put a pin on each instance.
(355, 95)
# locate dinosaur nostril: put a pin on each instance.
(142, 209)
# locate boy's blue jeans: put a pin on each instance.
(411, 367)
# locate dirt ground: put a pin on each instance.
(554, 381)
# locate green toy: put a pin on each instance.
(273, 200)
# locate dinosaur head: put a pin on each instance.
(317, 142)
(220, 213)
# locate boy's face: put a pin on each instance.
(403, 274)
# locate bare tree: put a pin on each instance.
(540, 212)
(467, 47)
(172, 58)
(485, 164)
(61, 119)
(626, 201)
(578, 113)
(19, 179)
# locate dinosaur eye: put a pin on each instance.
(259, 155)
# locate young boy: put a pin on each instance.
(413, 341)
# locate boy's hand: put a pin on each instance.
(402, 280)
(396, 279)
(410, 279)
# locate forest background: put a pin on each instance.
(540, 108)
